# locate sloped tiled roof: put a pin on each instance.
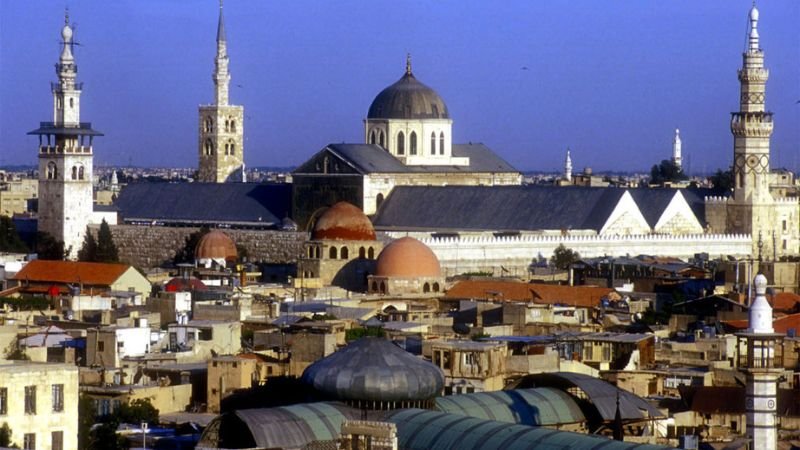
(370, 158)
(581, 296)
(247, 204)
(784, 301)
(87, 273)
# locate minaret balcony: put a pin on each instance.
(61, 150)
(760, 351)
(756, 124)
(754, 74)
(72, 86)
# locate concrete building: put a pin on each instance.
(221, 137)
(16, 196)
(39, 402)
(470, 366)
(66, 157)
(759, 206)
(109, 346)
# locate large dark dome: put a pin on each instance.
(374, 370)
(408, 99)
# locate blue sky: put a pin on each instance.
(609, 79)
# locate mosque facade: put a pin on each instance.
(758, 206)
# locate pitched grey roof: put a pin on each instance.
(496, 208)
(374, 369)
(369, 158)
(235, 204)
(517, 208)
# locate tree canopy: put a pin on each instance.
(9, 238)
(101, 249)
(563, 257)
(666, 171)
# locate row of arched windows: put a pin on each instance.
(412, 143)
(230, 125)
(208, 147)
(77, 173)
(427, 287)
(52, 171)
(314, 252)
(377, 137)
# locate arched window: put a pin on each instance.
(433, 143)
(332, 253)
(412, 145)
(372, 138)
(230, 148)
(345, 253)
(317, 252)
(310, 252)
(378, 201)
(441, 143)
(80, 172)
(382, 140)
(435, 287)
(52, 171)
(71, 102)
(401, 143)
(362, 252)
(208, 148)
(74, 172)
(208, 125)
(233, 125)
(426, 287)
(383, 287)
(371, 253)
(374, 286)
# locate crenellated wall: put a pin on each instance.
(511, 255)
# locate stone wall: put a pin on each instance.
(145, 246)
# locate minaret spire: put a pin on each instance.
(568, 167)
(676, 149)
(408, 64)
(753, 37)
(221, 75)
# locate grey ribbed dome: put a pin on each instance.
(408, 99)
(374, 369)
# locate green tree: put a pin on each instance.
(106, 249)
(103, 435)
(722, 180)
(88, 251)
(563, 257)
(9, 238)
(186, 254)
(5, 436)
(666, 171)
(48, 247)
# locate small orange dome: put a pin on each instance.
(215, 245)
(407, 257)
(343, 221)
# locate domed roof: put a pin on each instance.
(215, 245)
(407, 257)
(408, 99)
(343, 221)
(374, 369)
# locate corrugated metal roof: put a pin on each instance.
(246, 204)
(535, 407)
(297, 425)
(431, 430)
(601, 394)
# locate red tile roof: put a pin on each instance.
(784, 301)
(781, 324)
(95, 274)
(583, 296)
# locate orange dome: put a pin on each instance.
(343, 221)
(215, 245)
(407, 257)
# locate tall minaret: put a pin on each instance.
(568, 167)
(760, 352)
(751, 208)
(676, 150)
(65, 157)
(221, 142)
